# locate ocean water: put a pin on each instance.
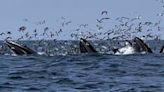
(64, 69)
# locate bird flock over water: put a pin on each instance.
(123, 28)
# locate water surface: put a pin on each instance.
(63, 69)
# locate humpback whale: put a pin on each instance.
(86, 47)
(19, 49)
(141, 46)
(162, 49)
(132, 47)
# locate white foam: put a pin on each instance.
(41, 53)
(125, 50)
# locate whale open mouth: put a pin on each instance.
(86, 47)
(19, 49)
(143, 46)
(135, 46)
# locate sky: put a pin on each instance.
(17, 13)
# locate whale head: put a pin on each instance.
(131, 47)
(19, 49)
(143, 47)
(86, 47)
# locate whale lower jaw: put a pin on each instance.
(86, 47)
(19, 49)
(143, 46)
(162, 50)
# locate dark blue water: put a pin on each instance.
(64, 69)
(82, 73)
